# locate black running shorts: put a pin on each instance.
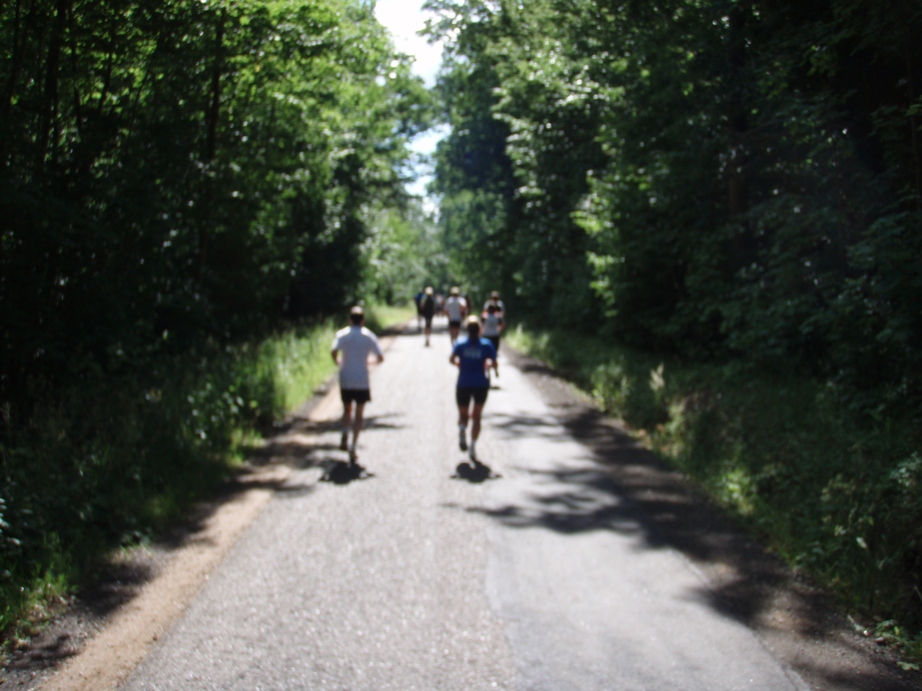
(463, 395)
(355, 395)
(453, 324)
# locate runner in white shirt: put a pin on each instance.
(456, 307)
(493, 325)
(352, 347)
(494, 300)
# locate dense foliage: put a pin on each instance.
(177, 177)
(732, 177)
(715, 181)
(174, 168)
(403, 253)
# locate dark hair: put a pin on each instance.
(356, 315)
(473, 329)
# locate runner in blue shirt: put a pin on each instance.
(474, 356)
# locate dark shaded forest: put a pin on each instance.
(744, 177)
(733, 189)
(179, 170)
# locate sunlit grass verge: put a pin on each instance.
(381, 317)
(837, 495)
(113, 461)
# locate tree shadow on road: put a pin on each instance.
(381, 422)
(622, 487)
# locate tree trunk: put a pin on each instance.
(48, 133)
(214, 109)
(914, 128)
(736, 184)
(211, 137)
(16, 63)
(75, 67)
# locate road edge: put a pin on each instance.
(126, 637)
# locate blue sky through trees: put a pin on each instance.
(404, 19)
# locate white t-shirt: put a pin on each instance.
(501, 308)
(454, 306)
(355, 343)
(491, 324)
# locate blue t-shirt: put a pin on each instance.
(472, 355)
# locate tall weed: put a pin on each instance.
(114, 460)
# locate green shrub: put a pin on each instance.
(380, 317)
(117, 459)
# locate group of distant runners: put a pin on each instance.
(475, 355)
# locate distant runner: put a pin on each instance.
(456, 307)
(427, 310)
(352, 347)
(418, 299)
(494, 300)
(493, 326)
(473, 356)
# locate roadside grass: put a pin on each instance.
(837, 495)
(113, 462)
(379, 317)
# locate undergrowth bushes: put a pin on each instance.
(838, 495)
(113, 460)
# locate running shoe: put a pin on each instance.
(353, 456)
(472, 453)
(462, 439)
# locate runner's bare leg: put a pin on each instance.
(475, 421)
(346, 424)
(462, 416)
(357, 423)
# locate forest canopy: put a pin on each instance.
(189, 189)
(181, 170)
(734, 179)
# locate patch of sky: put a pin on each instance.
(405, 19)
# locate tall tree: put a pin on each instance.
(182, 170)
